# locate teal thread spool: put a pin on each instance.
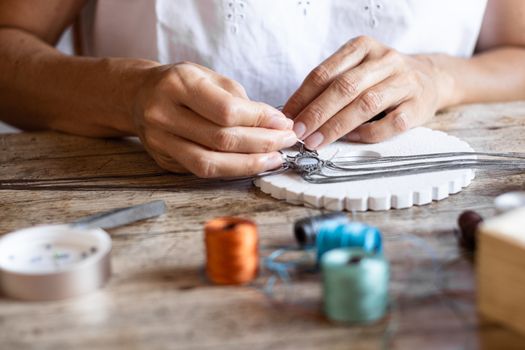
(349, 234)
(355, 285)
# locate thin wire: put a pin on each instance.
(452, 162)
(439, 279)
(388, 159)
(323, 178)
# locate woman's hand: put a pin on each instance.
(361, 80)
(193, 119)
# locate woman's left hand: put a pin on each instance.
(362, 79)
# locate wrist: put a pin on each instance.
(447, 89)
(128, 78)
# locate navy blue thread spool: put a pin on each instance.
(306, 229)
(350, 234)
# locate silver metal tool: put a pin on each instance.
(122, 216)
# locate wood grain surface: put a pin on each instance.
(158, 297)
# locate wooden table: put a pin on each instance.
(158, 297)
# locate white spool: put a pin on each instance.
(510, 201)
(377, 194)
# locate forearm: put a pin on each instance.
(492, 76)
(42, 89)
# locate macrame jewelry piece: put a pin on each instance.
(313, 169)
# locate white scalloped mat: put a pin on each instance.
(377, 194)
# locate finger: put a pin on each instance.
(397, 121)
(216, 104)
(347, 57)
(153, 143)
(210, 164)
(189, 125)
(388, 93)
(339, 94)
(168, 163)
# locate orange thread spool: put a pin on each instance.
(232, 255)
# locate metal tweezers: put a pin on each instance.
(314, 169)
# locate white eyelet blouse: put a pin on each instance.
(269, 46)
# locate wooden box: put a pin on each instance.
(500, 270)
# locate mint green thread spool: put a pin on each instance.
(355, 285)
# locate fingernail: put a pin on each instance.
(299, 129)
(353, 136)
(278, 121)
(275, 160)
(290, 140)
(314, 140)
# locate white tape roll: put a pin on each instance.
(53, 262)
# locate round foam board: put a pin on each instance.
(377, 194)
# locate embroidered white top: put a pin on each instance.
(269, 46)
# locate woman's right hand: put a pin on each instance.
(190, 118)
